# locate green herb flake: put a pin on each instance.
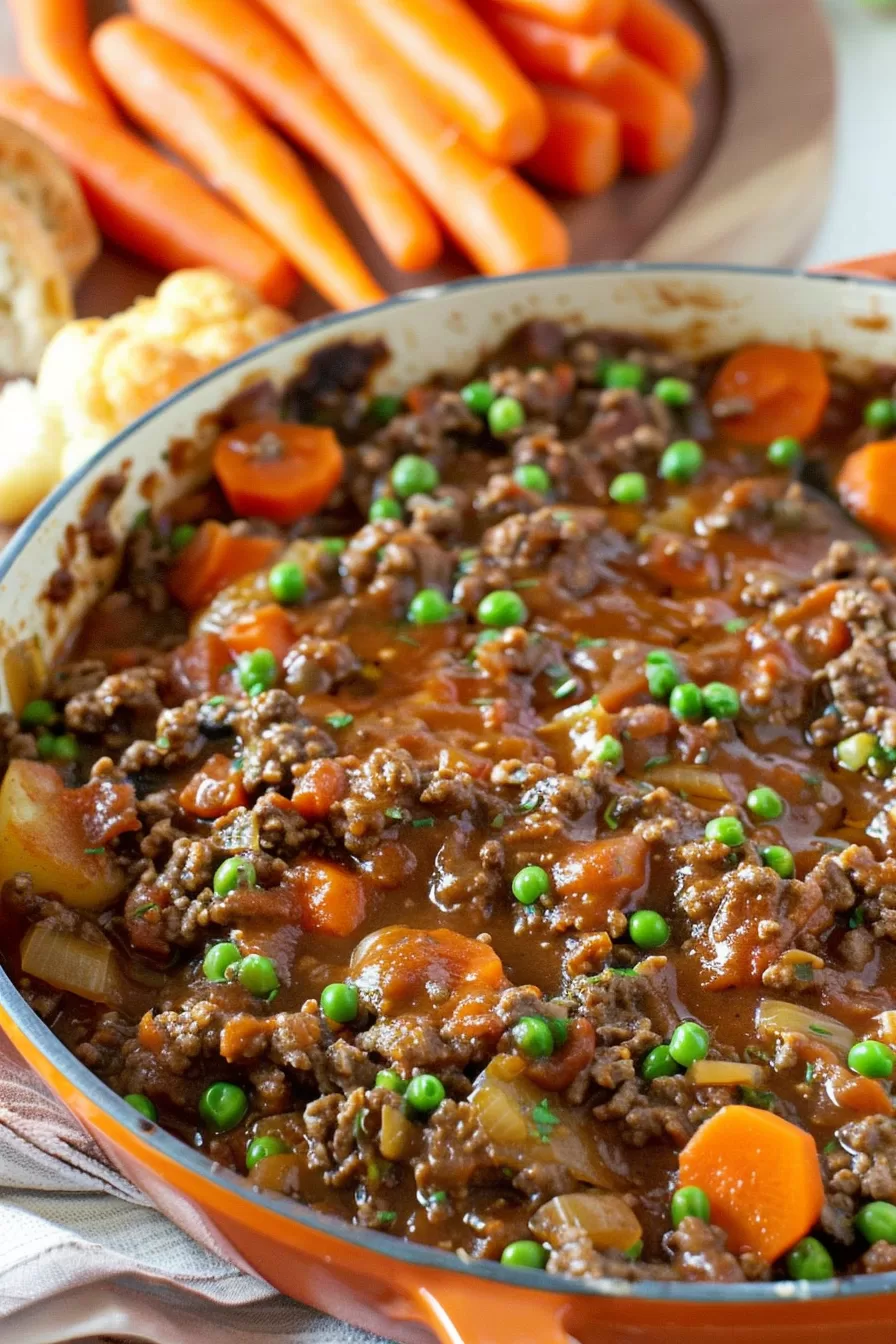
(358, 1124)
(142, 909)
(564, 689)
(656, 760)
(406, 639)
(385, 1217)
(237, 764)
(803, 971)
(96, 849)
(529, 804)
(810, 1072)
(586, 642)
(813, 781)
(216, 700)
(623, 970)
(762, 1101)
(526, 583)
(563, 516)
(857, 918)
(610, 814)
(340, 720)
(498, 821)
(437, 1197)
(819, 1031)
(544, 1120)
(735, 625)
(421, 822)
(482, 700)
(162, 743)
(831, 1146)
(395, 813)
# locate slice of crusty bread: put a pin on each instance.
(29, 455)
(31, 171)
(35, 296)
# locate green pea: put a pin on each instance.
(658, 1063)
(629, 487)
(880, 414)
(647, 929)
(391, 1081)
(871, 1059)
(46, 746)
(877, 1222)
(765, 803)
(259, 976)
(681, 461)
(182, 536)
(286, 582)
(266, 1145)
(37, 714)
(414, 475)
(384, 408)
(530, 476)
(635, 1251)
(429, 607)
(722, 701)
(624, 373)
(217, 959)
(65, 748)
(232, 873)
(674, 392)
(505, 414)
(810, 1260)
(726, 830)
(559, 1029)
(662, 678)
(339, 1002)
(608, 750)
(689, 1043)
(689, 1202)
(478, 395)
(223, 1106)
(530, 883)
(502, 608)
(142, 1104)
(332, 545)
(533, 1037)
(524, 1255)
(384, 509)
(686, 701)
(257, 669)
(854, 752)
(779, 859)
(425, 1092)
(784, 452)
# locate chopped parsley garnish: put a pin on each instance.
(395, 813)
(819, 1031)
(623, 970)
(736, 624)
(526, 583)
(385, 1217)
(406, 639)
(483, 700)
(216, 700)
(96, 849)
(813, 781)
(610, 814)
(857, 918)
(831, 1146)
(810, 1072)
(544, 1120)
(142, 909)
(803, 971)
(565, 688)
(358, 1128)
(753, 1096)
(340, 720)
(237, 764)
(437, 1197)
(498, 821)
(586, 642)
(656, 760)
(424, 821)
(529, 803)
(562, 517)
(162, 743)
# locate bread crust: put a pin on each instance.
(33, 173)
(34, 288)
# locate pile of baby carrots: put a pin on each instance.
(433, 114)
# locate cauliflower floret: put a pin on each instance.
(97, 376)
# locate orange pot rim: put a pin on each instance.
(121, 1123)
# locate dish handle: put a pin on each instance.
(879, 267)
(457, 1316)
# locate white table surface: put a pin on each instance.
(861, 217)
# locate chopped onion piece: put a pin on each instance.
(605, 1218)
(396, 1134)
(500, 1114)
(691, 780)
(776, 1017)
(68, 962)
(886, 1028)
(723, 1073)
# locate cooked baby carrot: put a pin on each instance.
(657, 120)
(143, 202)
(494, 216)
(268, 469)
(762, 1177)
(214, 790)
(651, 30)
(198, 664)
(181, 100)
(867, 486)
(467, 73)
(785, 392)
(213, 559)
(53, 46)
(579, 16)
(323, 784)
(582, 151)
(331, 900)
(266, 627)
(243, 44)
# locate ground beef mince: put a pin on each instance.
(461, 858)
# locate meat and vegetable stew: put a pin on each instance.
(474, 814)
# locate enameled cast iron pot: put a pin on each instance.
(405, 1292)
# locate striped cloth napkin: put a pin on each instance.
(84, 1256)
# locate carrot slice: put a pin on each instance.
(656, 118)
(788, 388)
(331, 900)
(579, 16)
(53, 47)
(214, 790)
(269, 469)
(581, 152)
(867, 486)
(467, 73)
(265, 628)
(198, 664)
(180, 100)
(651, 30)
(146, 204)
(258, 56)
(322, 785)
(598, 877)
(494, 216)
(762, 1177)
(213, 559)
